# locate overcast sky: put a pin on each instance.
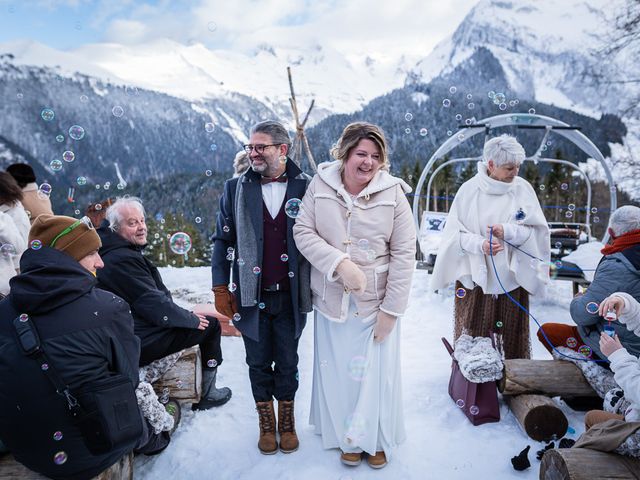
(353, 27)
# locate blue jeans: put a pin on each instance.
(273, 360)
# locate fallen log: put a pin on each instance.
(10, 469)
(183, 381)
(586, 464)
(548, 377)
(538, 416)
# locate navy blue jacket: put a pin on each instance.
(225, 237)
(87, 334)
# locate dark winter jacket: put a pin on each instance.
(615, 273)
(130, 275)
(226, 237)
(87, 335)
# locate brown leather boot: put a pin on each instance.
(287, 427)
(267, 442)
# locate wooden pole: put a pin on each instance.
(587, 464)
(549, 377)
(538, 416)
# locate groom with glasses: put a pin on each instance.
(261, 280)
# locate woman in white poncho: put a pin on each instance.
(495, 200)
(357, 231)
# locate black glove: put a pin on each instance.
(566, 443)
(540, 453)
(521, 461)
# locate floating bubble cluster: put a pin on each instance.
(585, 350)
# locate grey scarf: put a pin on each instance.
(247, 250)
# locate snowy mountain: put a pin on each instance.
(195, 73)
(546, 48)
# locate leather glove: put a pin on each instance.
(384, 325)
(224, 300)
(353, 278)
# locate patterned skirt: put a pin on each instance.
(479, 315)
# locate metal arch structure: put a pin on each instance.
(522, 120)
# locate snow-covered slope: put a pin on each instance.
(441, 443)
(546, 48)
(194, 72)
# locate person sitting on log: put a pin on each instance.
(68, 360)
(618, 271)
(163, 326)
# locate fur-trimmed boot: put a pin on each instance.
(287, 426)
(211, 396)
(267, 443)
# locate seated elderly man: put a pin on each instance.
(618, 271)
(163, 326)
(65, 348)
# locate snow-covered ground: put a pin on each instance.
(441, 443)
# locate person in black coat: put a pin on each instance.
(261, 280)
(162, 326)
(87, 336)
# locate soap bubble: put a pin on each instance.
(408, 116)
(81, 180)
(363, 244)
(499, 98)
(98, 207)
(512, 103)
(68, 156)
(585, 350)
(499, 324)
(284, 257)
(542, 187)
(532, 111)
(76, 132)
(564, 186)
(56, 165)
(596, 219)
(571, 207)
(594, 210)
(47, 114)
(117, 111)
(241, 262)
(358, 368)
(458, 117)
(84, 98)
(474, 410)
(44, 367)
(568, 214)
(198, 220)
(461, 136)
(446, 103)
(23, 317)
(261, 305)
(60, 458)
(592, 308)
(423, 132)
(292, 207)
(256, 270)
(19, 95)
(572, 342)
(209, 127)
(449, 133)
(59, 138)
(180, 243)
(131, 91)
(471, 106)
(452, 90)
(461, 292)
(232, 287)
(502, 106)
(236, 317)
(469, 96)
(57, 436)
(226, 229)
(208, 173)
(8, 250)
(491, 94)
(291, 274)
(460, 403)
(211, 26)
(212, 363)
(35, 244)
(558, 244)
(44, 190)
(213, 147)
(407, 131)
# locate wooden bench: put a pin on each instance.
(10, 469)
(586, 464)
(183, 381)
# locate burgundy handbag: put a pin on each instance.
(478, 401)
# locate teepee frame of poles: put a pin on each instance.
(300, 141)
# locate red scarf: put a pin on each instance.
(622, 242)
